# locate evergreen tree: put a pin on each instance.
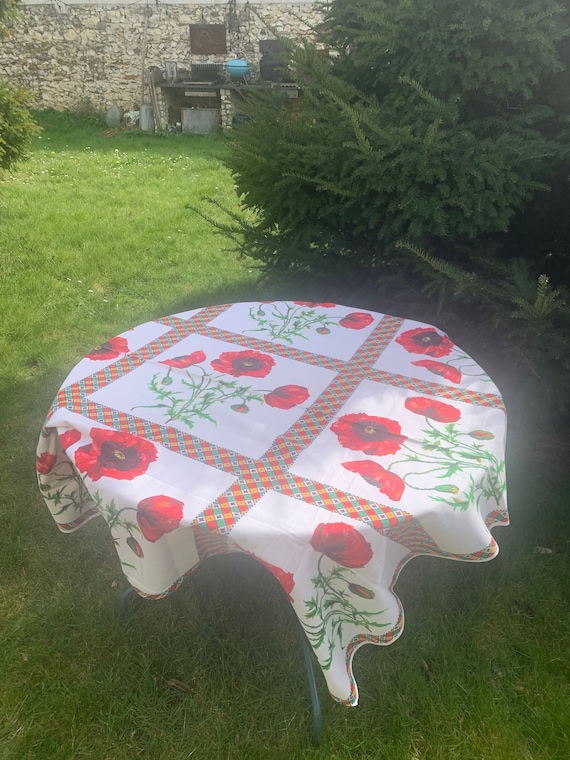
(8, 11)
(428, 128)
(485, 52)
(425, 124)
(16, 124)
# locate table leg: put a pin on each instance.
(124, 599)
(307, 651)
(317, 721)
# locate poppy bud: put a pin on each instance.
(482, 435)
(133, 544)
(323, 330)
(447, 488)
(260, 312)
(166, 380)
(362, 591)
(240, 408)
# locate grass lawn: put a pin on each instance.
(95, 238)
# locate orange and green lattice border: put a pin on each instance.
(271, 472)
(255, 477)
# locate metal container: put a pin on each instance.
(200, 121)
(147, 118)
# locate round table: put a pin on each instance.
(330, 443)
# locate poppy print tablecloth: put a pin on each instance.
(332, 444)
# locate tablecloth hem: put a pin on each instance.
(79, 522)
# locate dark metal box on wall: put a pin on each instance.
(207, 39)
(273, 63)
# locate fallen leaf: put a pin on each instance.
(425, 666)
(180, 685)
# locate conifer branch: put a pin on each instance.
(352, 116)
(449, 109)
(321, 184)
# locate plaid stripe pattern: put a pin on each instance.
(413, 536)
(378, 516)
(193, 323)
(173, 587)
(497, 516)
(371, 350)
(171, 438)
(69, 527)
(356, 643)
(433, 389)
(209, 544)
(271, 472)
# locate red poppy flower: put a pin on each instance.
(181, 362)
(315, 303)
(389, 483)
(45, 463)
(240, 363)
(158, 515)
(286, 396)
(425, 340)
(342, 543)
(356, 320)
(441, 369)
(115, 455)
(374, 435)
(69, 437)
(435, 410)
(110, 349)
(285, 578)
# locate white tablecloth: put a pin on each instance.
(330, 443)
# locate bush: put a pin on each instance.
(515, 318)
(8, 12)
(427, 124)
(432, 122)
(84, 116)
(16, 124)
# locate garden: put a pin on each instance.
(102, 231)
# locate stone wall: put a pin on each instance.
(71, 56)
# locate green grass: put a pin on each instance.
(95, 237)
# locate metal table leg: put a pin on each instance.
(307, 651)
(124, 600)
(317, 719)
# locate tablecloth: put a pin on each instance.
(333, 444)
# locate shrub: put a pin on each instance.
(16, 124)
(427, 124)
(515, 317)
(8, 12)
(432, 122)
